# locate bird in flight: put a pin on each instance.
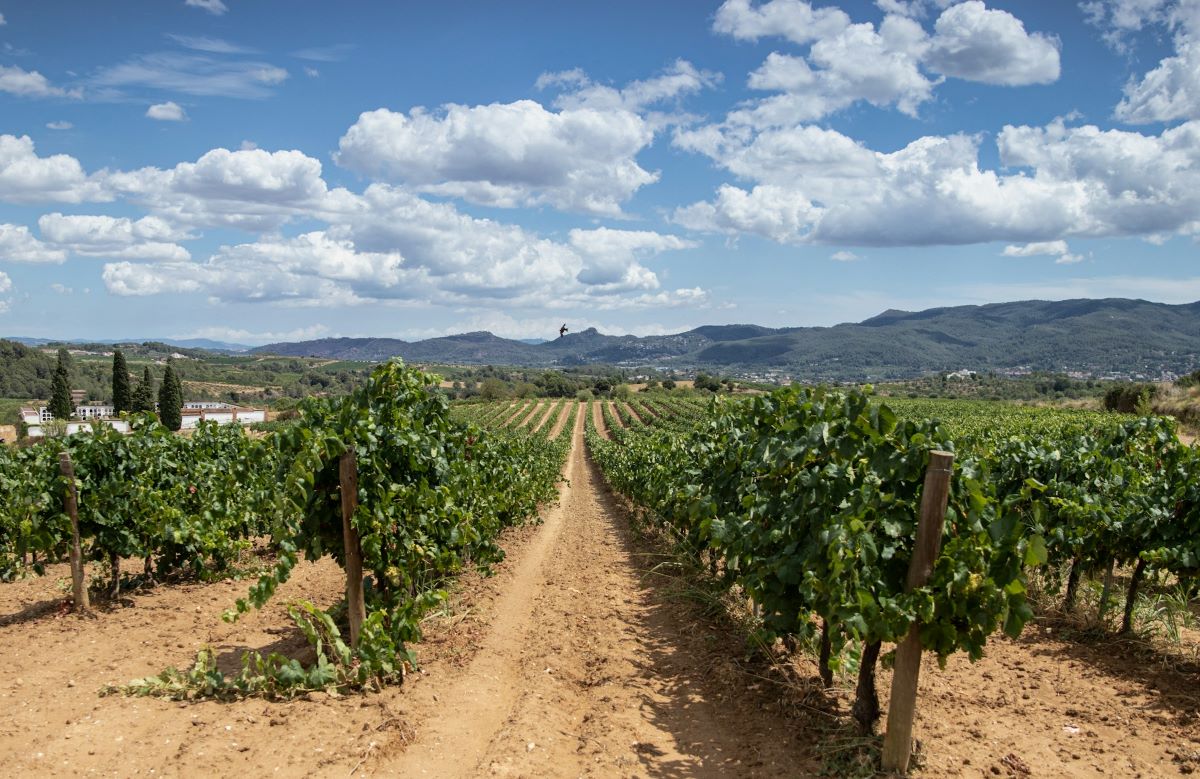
(562, 330)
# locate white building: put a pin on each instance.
(221, 413)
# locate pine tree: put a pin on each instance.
(170, 400)
(60, 388)
(122, 395)
(143, 396)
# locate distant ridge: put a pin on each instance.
(183, 343)
(1112, 336)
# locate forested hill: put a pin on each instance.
(1113, 335)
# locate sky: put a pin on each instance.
(267, 170)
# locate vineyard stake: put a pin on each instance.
(354, 574)
(897, 742)
(71, 503)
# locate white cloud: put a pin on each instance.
(211, 45)
(612, 257)
(6, 286)
(17, 244)
(844, 256)
(820, 187)
(1119, 18)
(390, 245)
(1057, 249)
(506, 154)
(29, 83)
(193, 74)
(311, 72)
(580, 157)
(250, 189)
(59, 125)
(1171, 90)
(1167, 93)
(148, 238)
(795, 20)
(61, 289)
(681, 79)
(166, 112)
(214, 7)
(27, 178)
(2, 23)
(847, 63)
(979, 44)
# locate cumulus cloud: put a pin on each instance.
(889, 65)
(252, 189)
(148, 238)
(976, 43)
(506, 154)
(214, 7)
(1057, 249)
(581, 157)
(2, 23)
(29, 83)
(1169, 91)
(193, 74)
(391, 245)
(59, 125)
(27, 178)
(612, 257)
(17, 244)
(844, 256)
(166, 112)
(1062, 181)
(6, 286)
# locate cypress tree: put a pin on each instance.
(60, 388)
(143, 396)
(122, 395)
(170, 400)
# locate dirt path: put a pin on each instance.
(545, 417)
(616, 417)
(598, 421)
(633, 413)
(511, 419)
(561, 422)
(584, 672)
(537, 408)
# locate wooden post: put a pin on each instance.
(71, 503)
(355, 606)
(897, 742)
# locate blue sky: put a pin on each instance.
(259, 171)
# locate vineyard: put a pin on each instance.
(504, 597)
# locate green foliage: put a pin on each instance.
(1130, 398)
(122, 395)
(143, 396)
(170, 400)
(60, 388)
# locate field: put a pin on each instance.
(614, 638)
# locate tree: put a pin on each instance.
(60, 389)
(122, 394)
(170, 400)
(143, 396)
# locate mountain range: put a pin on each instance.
(1113, 336)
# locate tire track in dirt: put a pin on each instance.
(588, 672)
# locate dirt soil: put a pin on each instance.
(571, 661)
